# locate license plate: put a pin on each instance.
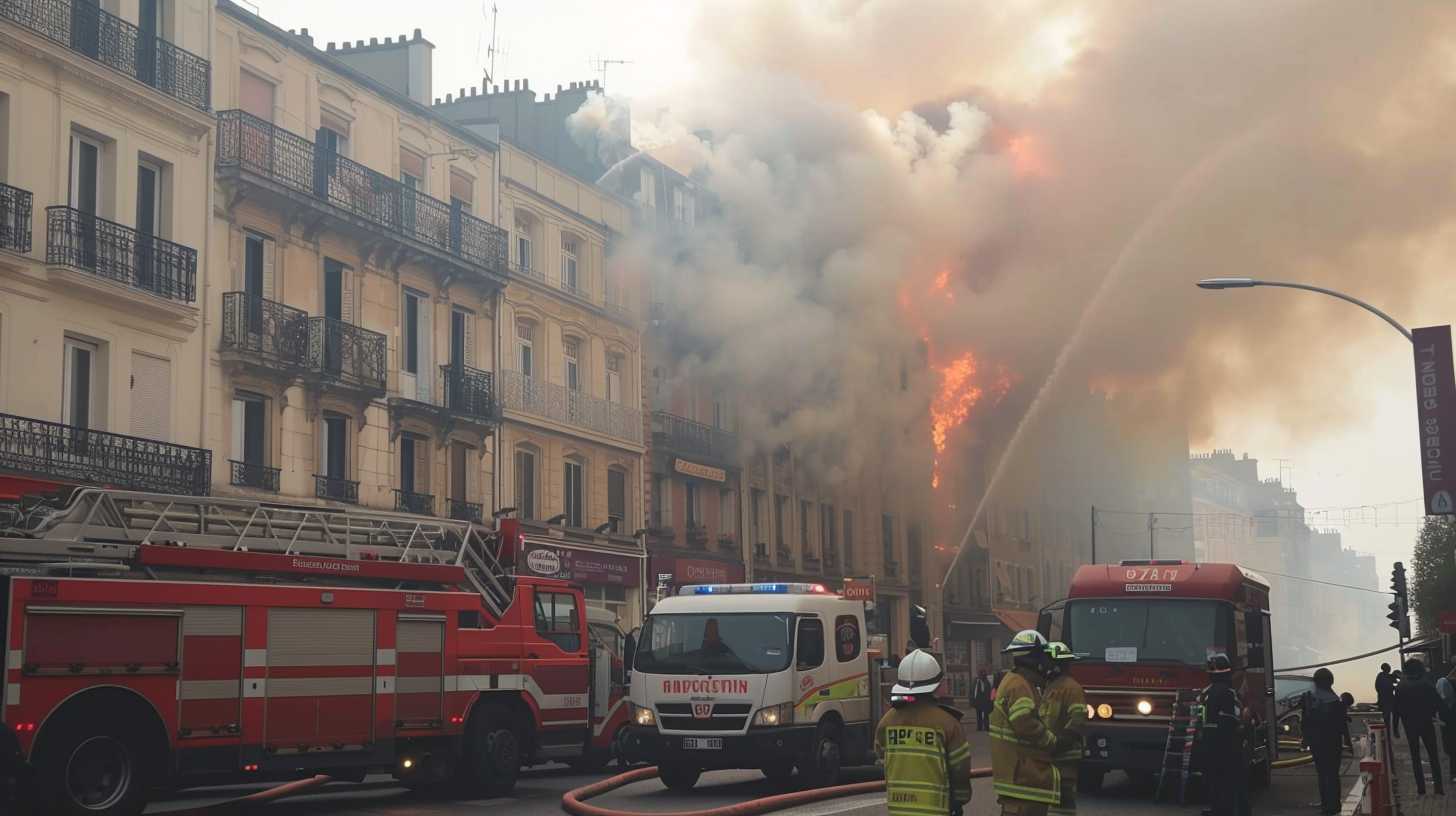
(702, 743)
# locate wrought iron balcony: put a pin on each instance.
(264, 331)
(556, 402)
(15, 207)
(260, 477)
(462, 510)
(66, 453)
(340, 490)
(346, 354)
(526, 270)
(421, 504)
(84, 28)
(247, 144)
(468, 392)
(106, 249)
(697, 536)
(682, 435)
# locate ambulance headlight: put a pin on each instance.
(642, 715)
(1091, 712)
(774, 715)
(1144, 707)
(1104, 711)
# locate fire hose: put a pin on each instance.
(574, 802)
(257, 798)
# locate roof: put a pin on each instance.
(1016, 619)
(1165, 579)
(740, 603)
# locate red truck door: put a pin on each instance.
(556, 651)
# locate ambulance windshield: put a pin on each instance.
(1144, 630)
(755, 643)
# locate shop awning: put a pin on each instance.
(973, 626)
(1016, 619)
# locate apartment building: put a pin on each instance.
(105, 133)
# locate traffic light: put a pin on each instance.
(1399, 615)
(1397, 579)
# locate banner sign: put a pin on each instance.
(1436, 412)
(578, 566)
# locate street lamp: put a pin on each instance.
(1247, 283)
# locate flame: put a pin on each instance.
(1026, 156)
(941, 285)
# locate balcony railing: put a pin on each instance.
(551, 401)
(686, 436)
(462, 510)
(106, 249)
(252, 145)
(526, 270)
(70, 454)
(421, 504)
(697, 536)
(468, 392)
(15, 207)
(341, 490)
(259, 477)
(343, 353)
(84, 28)
(265, 330)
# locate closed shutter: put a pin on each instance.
(151, 397)
(269, 250)
(411, 163)
(320, 637)
(422, 465)
(469, 340)
(463, 188)
(240, 419)
(255, 95)
(346, 294)
(426, 380)
(473, 463)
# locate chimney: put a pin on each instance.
(418, 35)
(447, 99)
(402, 64)
(358, 43)
(473, 90)
(497, 87)
(303, 32)
(330, 47)
(374, 41)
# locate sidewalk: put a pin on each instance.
(1406, 800)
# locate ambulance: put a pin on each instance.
(773, 676)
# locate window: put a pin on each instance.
(524, 343)
(569, 278)
(338, 291)
(804, 530)
(525, 484)
(85, 184)
(693, 504)
(827, 542)
(411, 169)
(617, 499)
(648, 191)
(614, 378)
(151, 396)
(1254, 621)
(661, 502)
(149, 199)
(887, 537)
(610, 597)
(333, 134)
(250, 417)
(727, 512)
(462, 337)
(572, 353)
(80, 389)
(411, 338)
(462, 192)
(557, 620)
(848, 539)
(679, 206)
(810, 644)
(781, 507)
(523, 245)
(255, 96)
(755, 515)
(414, 464)
(257, 275)
(335, 447)
(573, 494)
(459, 472)
(1179, 631)
(720, 415)
(846, 638)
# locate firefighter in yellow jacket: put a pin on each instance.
(927, 758)
(1027, 783)
(1064, 710)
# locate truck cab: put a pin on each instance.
(766, 676)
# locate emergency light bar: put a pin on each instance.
(754, 589)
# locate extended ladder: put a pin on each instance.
(1178, 751)
(97, 528)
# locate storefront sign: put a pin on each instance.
(859, 589)
(1436, 416)
(698, 471)
(684, 571)
(578, 566)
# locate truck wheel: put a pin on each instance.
(619, 747)
(97, 771)
(678, 778)
(1089, 781)
(821, 768)
(493, 754)
(778, 774)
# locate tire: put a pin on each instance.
(1089, 781)
(492, 754)
(778, 774)
(619, 748)
(679, 778)
(99, 769)
(821, 768)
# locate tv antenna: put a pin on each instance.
(600, 67)
(490, 50)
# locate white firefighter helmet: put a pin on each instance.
(919, 673)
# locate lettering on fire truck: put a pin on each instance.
(704, 686)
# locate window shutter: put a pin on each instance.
(462, 187)
(422, 465)
(151, 403)
(269, 248)
(469, 321)
(426, 381)
(412, 163)
(239, 421)
(255, 96)
(321, 467)
(346, 297)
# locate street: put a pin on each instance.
(540, 791)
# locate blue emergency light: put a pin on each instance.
(753, 589)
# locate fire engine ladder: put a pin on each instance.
(101, 529)
(1178, 752)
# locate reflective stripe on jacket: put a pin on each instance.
(1064, 710)
(927, 760)
(1021, 744)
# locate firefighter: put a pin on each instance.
(1221, 741)
(927, 758)
(1027, 782)
(1064, 710)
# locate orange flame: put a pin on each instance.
(1026, 156)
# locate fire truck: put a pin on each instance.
(155, 640)
(1143, 631)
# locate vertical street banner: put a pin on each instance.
(1436, 413)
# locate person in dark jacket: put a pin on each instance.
(1385, 695)
(1416, 704)
(1324, 727)
(981, 699)
(1220, 744)
(1348, 701)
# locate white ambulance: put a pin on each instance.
(769, 676)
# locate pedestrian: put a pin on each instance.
(1385, 694)
(1064, 710)
(1026, 781)
(981, 691)
(1221, 741)
(1446, 690)
(1347, 701)
(1416, 704)
(927, 758)
(1324, 729)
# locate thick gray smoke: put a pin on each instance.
(1030, 154)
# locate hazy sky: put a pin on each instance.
(1369, 461)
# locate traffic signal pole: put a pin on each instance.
(1399, 615)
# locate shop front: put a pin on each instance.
(610, 579)
(668, 573)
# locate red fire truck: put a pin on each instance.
(1144, 631)
(155, 640)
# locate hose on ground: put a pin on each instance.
(574, 802)
(255, 798)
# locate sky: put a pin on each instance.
(1363, 454)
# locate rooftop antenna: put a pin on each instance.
(601, 68)
(1286, 472)
(491, 50)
